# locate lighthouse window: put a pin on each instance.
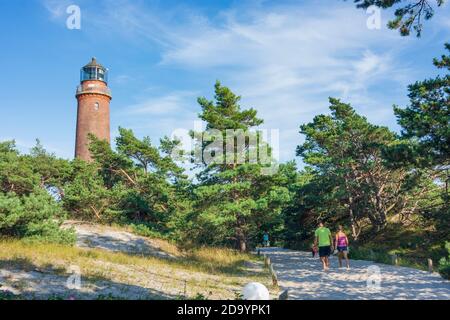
(91, 73)
(96, 106)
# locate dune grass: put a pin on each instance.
(209, 260)
(218, 272)
(412, 246)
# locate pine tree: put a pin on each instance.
(427, 117)
(234, 200)
(351, 175)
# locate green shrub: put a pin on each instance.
(444, 264)
(35, 217)
(199, 296)
(369, 254)
(8, 295)
(49, 231)
(146, 230)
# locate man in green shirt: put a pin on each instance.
(324, 239)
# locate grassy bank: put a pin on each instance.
(412, 246)
(205, 272)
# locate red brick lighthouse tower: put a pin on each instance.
(93, 97)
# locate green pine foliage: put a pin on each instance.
(426, 119)
(234, 201)
(409, 15)
(27, 207)
(352, 180)
(35, 217)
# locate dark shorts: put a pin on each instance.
(342, 249)
(324, 251)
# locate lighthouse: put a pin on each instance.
(93, 97)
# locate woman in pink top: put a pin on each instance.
(342, 246)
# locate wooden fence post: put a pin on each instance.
(259, 252)
(266, 261)
(274, 276)
(430, 265)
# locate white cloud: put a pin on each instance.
(286, 64)
(122, 79)
(370, 63)
(57, 8)
(169, 104)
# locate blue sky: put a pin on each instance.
(284, 57)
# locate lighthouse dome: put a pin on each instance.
(94, 71)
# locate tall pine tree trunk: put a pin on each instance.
(241, 241)
(351, 214)
(355, 234)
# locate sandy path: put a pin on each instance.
(302, 275)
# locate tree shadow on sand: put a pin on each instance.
(22, 279)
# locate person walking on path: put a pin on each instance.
(342, 246)
(314, 250)
(266, 239)
(324, 239)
